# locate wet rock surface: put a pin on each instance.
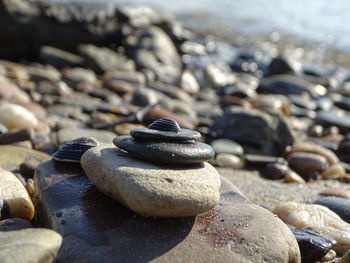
(96, 227)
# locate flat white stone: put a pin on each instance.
(149, 189)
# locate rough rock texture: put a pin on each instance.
(150, 189)
(30, 245)
(240, 125)
(97, 228)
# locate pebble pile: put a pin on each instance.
(158, 171)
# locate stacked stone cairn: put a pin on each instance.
(158, 171)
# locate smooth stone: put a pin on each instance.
(101, 59)
(14, 199)
(318, 217)
(341, 206)
(144, 134)
(14, 224)
(227, 146)
(149, 189)
(282, 65)
(275, 171)
(29, 245)
(189, 83)
(290, 85)
(69, 134)
(77, 75)
(256, 131)
(119, 86)
(313, 245)
(166, 152)
(40, 72)
(229, 160)
(310, 147)
(59, 58)
(96, 228)
(14, 116)
(337, 118)
(11, 157)
(132, 77)
(12, 93)
(307, 164)
(302, 102)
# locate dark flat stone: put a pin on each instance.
(338, 205)
(166, 152)
(149, 134)
(313, 245)
(96, 228)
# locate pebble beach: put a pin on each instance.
(128, 135)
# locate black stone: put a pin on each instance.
(313, 245)
(287, 85)
(334, 118)
(338, 205)
(149, 134)
(73, 150)
(169, 125)
(166, 152)
(281, 65)
(275, 171)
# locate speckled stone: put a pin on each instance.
(165, 152)
(149, 189)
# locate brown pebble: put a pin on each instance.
(308, 147)
(306, 164)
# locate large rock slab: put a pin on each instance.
(151, 189)
(96, 228)
(30, 245)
